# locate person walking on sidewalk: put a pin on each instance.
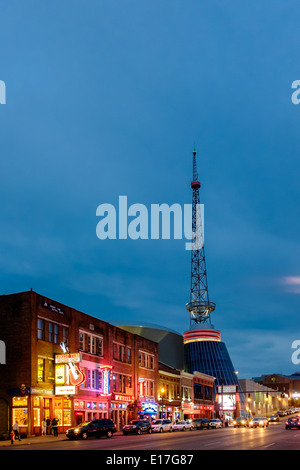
(16, 430)
(44, 427)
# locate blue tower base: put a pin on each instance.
(205, 352)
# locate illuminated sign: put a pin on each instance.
(227, 402)
(227, 388)
(53, 308)
(106, 375)
(65, 390)
(149, 407)
(67, 372)
(67, 358)
(60, 375)
(123, 398)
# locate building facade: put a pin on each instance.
(262, 400)
(62, 363)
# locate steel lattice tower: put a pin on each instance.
(204, 350)
(199, 305)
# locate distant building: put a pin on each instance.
(262, 400)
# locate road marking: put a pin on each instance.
(269, 445)
(211, 443)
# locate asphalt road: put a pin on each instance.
(275, 437)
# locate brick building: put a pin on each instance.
(105, 372)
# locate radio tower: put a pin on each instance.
(203, 349)
(199, 306)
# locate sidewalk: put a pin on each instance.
(34, 440)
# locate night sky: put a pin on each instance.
(108, 98)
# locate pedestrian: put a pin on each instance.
(44, 428)
(54, 426)
(48, 422)
(16, 430)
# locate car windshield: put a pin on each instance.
(157, 421)
(84, 424)
(133, 422)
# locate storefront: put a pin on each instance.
(203, 411)
(87, 410)
(170, 412)
(187, 408)
(121, 410)
(227, 402)
(33, 406)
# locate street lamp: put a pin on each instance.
(162, 391)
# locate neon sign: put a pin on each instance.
(106, 376)
(74, 374)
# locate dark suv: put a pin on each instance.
(201, 423)
(137, 426)
(293, 423)
(96, 428)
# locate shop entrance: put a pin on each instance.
(79, 415)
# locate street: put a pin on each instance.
(275, 437)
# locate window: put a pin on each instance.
(128, 355)
(81, 342)
(90, 344)
(129, 382)
(41, 370)
(53, 333)
(146, 360)
(94, 379)
(147, 388)
(65, 335)
(100, 347)
(55, 338)
(41, 329)
(51, 366)
(121, 353)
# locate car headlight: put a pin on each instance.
(76, 430)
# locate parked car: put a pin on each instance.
(280, 413)
(240, 422)
(215, 423)
(96, 428)
(137, 426)
(259, 422)
(293, 423)
(161, 425)
(183, 426)
(273, 418)
(201, 423)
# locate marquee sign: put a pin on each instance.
(67, 358)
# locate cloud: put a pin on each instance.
(292, 284)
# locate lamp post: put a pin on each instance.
(267, 402)
(162, 391)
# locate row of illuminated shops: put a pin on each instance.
(30, 410)
(70, 404)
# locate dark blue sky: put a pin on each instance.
(108, 98)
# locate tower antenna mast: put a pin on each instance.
(199, 305)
